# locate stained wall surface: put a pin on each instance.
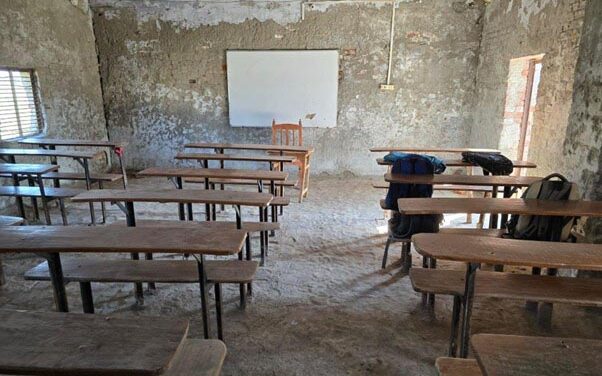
(163, 73)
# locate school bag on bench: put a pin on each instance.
(554, 187)
(495, 164)
(404, 226)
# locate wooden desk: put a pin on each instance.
(52, 143)
(220, 147)
(461, 163)
(389, 149)
(508, 355)
(69, 344)
(474, 250)
(445, 205)
(243, 158)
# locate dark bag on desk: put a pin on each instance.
(495, 164)
(554, 187)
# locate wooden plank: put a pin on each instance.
(488, 180)
(26, 168)
(445, 187)
(52, 343)
(479, 249)
(47, 153)
(193, 196)
(197, 357)
(24, 191)
(461, 163)
(481, 205)
(580, 291)
(69, 142)
(431, 150)
(506, 355)
(111, 239)
(264, 147)
(223, 173)
(230, 157)
(457, 367)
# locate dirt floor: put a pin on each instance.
(321, 305)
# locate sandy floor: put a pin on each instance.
(321, 305)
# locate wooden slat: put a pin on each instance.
(431, 150)
(506, 355)
(510, 181)
(69, 142)
(580, 291)
(478, 249)
(230, 157)
(461, 163)
(197, 357)
(70, 344)
(110, 239)
(193, 196)
(457, 367)
(24, 191)
(480, 205)
(26, 168)
(47, 153)
(224, 173)
(265, 147)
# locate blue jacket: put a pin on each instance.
(438, 165)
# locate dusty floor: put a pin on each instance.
(321, 305)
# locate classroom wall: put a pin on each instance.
(518, 28)
(163, 73)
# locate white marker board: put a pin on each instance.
(283, 85)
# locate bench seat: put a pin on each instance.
(457, 367)
(76, 176)
(285, 183)
(444, 187)
(198, 357)
(549, 289)
(50, 192)
(159, 271)
(217, 225)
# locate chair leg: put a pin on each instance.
(306, 178)
(301, 181)
(387, 245)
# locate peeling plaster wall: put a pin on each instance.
(163, 71)
(583, 144)
(517, 28)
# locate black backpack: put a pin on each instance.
(553, 187)
(495, 164)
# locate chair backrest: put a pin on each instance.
(287, 134)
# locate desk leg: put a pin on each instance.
(207, 187)
(20, 205)
(54, 161)
(221, 186)
(44, 200)
(204, 297)
(181, 213)
(274, 208)
(471, 270)
(58, 284)
(88, 187)
(453, 337)
(34, 201)
(85, 289)
(431, 297)
(123, 172)
(492, 216)
(131, 222)
(243, 298)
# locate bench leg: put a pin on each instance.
(425, 264)
(204, 296)
(265, 233)
(544, 311)
(88, 187)
(467, 309)
(44, 200)
(63, 211)
(139, 291)
(218, 310)
(431, 297)
(453, 336)
(151, 285)
(58, 284)
(34, 201)
(103, 206)
(2, 279)
(85, 289)
(181, 213)
(242, 287)
(530, 305)
(406, 257)
(249, 257)
(261, 239)
(386, 254)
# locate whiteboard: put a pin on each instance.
(283, 85)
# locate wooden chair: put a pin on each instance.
(292, 134)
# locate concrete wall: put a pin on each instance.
(163, 73)
(517, 28)
(55, 38)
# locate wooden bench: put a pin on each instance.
(547, 289)
(215, 181)
(457, 367)
(198, 357)
(95, 177)
(445, 187)
(7, 220)
(157, 271)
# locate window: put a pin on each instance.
(20, 113)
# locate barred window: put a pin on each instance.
(20, 113)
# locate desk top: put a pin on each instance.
(113, 239)
(498, 251)
(508, 355)
(68, 142)
(183, 196)
(44, 343)
(230, 157)
(26, 168)
(265, 147)
(461, 163)
(487, 180)
(431, 150)
(47, 153)
(214, 173)
(480, 205)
